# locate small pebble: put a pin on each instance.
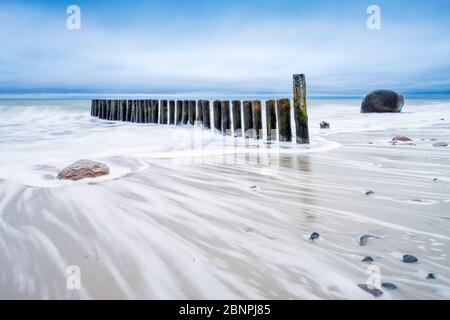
(370, 192)
(255, 188)
(324, 125)
(389, 286)
(367, 259)
(409, 259)
(314, 236)
(435, 179)
(440, 144)
(431, 276)
(401, 139)
(375, 292)
(363, 240)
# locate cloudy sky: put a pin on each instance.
(239, 46)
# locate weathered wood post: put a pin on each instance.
(199, 111)
(192, 110)
(108, 110)
(92, 107)
(226, 120)
(123, 110)
(271, 120)
(217, 115)
(185, 112)
(300, 109)
(257, 119)
(146, 120)
(237, 125)
(206, 114)
(171, 112)
(97, 108)
(116, 105)
(155, 110)
(163, 116)
(133, 111)
(284, 120)
(248, 119)
(129, 107)
(179, 113)
(100, 109)
(141, 111)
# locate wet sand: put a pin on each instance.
(227, 227)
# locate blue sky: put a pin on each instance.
(223, 46)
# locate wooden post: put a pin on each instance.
(179, 113)
(133, 112)
(108, 110)
(284, 120)
(115, 115)
(248, 119)
(237, 125)
(300, 110)
(192, 110)
(163, 116)
(123, 110)
(226, 119)
(129, 110)
(217, 115)
(97, 108)
(199, 111)
(257, 119)
(155, 110)
(92, 107)
(171, 112)
(104, 110)
(271, 119)
(145, 111)
(185, 112)
(206, 114)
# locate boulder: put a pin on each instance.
(382, 101)
(83, 169)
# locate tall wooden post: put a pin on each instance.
(237, 125)
(300, 110)
(163, 116)
(257, 119)
(284, 120)
(217, 115)
(226, 120)
(271, 120)
(171, 112)
(108, 110)
(123, 110)
(248, 119)
(155, 110)
(185, 112)
(199, 111)
(206, 114)
(192, 111)
(129, 110)
(179, 113)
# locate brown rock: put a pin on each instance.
(83, 169)
(401, 138)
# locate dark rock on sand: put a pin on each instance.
(401, 139)
(314, 236)
(370, 192)
(382, 101)
(365, 238)
(375, 292)
(324, 125)
(431, 276)
(440, 144)
(409, 259)
(83, 169)
(367, 259)
(389, 286)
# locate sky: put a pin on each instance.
(246, 46)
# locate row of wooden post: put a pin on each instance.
(185, 112)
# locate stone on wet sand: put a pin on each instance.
(373, 291)
(83, 169)
(370, 192)
(324, 125)
(314, 236)
(440, 144)
(401, 139)
(365, 238)
(431, 276)
(367, 259)
(389, 286)
(382, 101)
(409, 259)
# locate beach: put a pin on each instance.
(188, 214)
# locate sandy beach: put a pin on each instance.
(212, 218)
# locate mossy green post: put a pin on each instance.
(300, 110)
